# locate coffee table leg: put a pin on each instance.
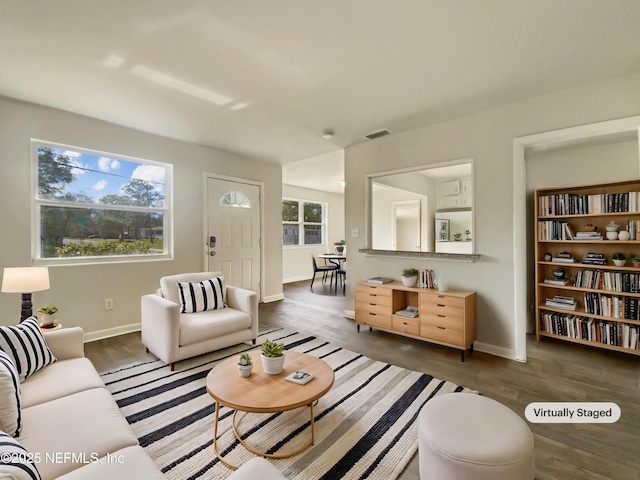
(215, 439)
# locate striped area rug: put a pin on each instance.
(365, 426)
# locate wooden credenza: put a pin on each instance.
(446, 318)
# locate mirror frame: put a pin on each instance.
(369, 179)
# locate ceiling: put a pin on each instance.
(266, 78)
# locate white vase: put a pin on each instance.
(245, 370)
(619, 263)
(272, 365)
(409, 281)
(612, 235)
(624, 235)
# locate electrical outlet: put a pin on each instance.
(355, 233)
(108, 303)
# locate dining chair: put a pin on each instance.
(324, 269)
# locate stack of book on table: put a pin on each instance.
(411, 312)
(563, 257)
(594, 259)
(379, 280)
(559, 301)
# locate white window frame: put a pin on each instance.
(301, 223)
(37, 204)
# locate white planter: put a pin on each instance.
(409, 281)
(272, 365)
(619, 263)
(47, 319)
(245, 370)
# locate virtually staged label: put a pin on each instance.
(572, 412)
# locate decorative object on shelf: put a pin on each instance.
(443, 229)
(338, 247)
(245, 365)
(25, 280)
(467, 233)
(611, 235)
(409, 277)
(457, 237)
(272, 355)
(558, 272)
(547, 257)
(612, 227)
(47, 319)
(619, 259)
(589, 228)
(635, 260)
(624, 235)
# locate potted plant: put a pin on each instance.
(457, 237)
(635, 259)
(467, 233)
(619, 258)
(47, 318)
(272, 355)
(245, 365)
(339, 247)
(409, 277)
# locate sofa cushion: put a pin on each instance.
(201, 296)
(16, 463)
(72, 431)
(60, 379)
(196, 327)
(9, 396)
(124, 464)
(26, 346)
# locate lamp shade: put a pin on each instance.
(25, 279)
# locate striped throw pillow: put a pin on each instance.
(10, 417)
(199, 297)
(26, 346)
(15, 461)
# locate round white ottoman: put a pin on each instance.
(464, 436)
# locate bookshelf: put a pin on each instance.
(581, 295)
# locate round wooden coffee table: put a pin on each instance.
(264, 393)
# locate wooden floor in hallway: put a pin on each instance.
(554, 372)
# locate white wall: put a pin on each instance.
(488, 138)
(79, 291)
(296, 261)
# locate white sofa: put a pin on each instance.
(71, 425)
(173, 336)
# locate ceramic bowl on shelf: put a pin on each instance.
(612, 235)
(612, 227)
(624, 235)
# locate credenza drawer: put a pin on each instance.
(406, 325)
(442, 310)
(373, 308)
(439, 320)
(371, 290)
(373, 319)
(443, 300)
(372, 299)
(442, 334)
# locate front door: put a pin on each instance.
(233, 226)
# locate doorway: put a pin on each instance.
(234, 226)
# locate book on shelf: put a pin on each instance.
(411, 312)
(588, 236)
(379, 280)
(299, 377)
(556, 281)
(594, 261)
(563, 260)
(560, 301)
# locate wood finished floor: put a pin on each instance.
(555, 371)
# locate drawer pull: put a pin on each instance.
(373, 294)
(441, 305)
(372, 304)
(442, 316)
(441, 296)
(442, 328)
(374, 314)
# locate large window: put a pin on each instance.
(98, 207)
(303, 223)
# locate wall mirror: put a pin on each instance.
(426, 209)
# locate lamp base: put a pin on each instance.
(26, 308)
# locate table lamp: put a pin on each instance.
(25, 280)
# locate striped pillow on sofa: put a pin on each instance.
(26, 346)
(202, 296)
(10, 417)
(15, 461)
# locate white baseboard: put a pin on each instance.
(273, 298)
(296, 279)
(111, 332)
(495, 350)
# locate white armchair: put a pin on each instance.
(173, 336)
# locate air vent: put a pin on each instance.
(381, 133)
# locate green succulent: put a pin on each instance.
(272, 349)
(245, 360)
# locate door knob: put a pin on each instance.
(212, 253)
